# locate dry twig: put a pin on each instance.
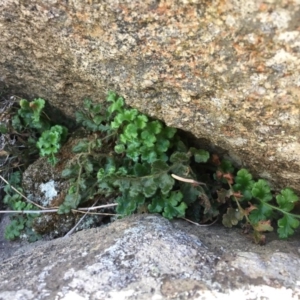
(188, 180)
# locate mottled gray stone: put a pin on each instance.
(146, 257)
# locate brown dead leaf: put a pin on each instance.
(263, 226)
(229, 177)
(223, 195)
(250, 208)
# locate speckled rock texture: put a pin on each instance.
(147, 257)
(227, 71)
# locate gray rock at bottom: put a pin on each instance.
(144, 257)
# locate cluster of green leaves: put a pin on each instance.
(50, 142)
(32, 118)
(92, 117)
(132, 157)
(33, 133)
(140, 139)
(27, 123)
(150, 184)
(20, 224)
(258, 206)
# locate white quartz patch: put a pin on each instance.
(49, 191)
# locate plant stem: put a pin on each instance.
(278, 209)
(238, 204)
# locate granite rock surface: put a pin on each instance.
(147, 257)
(226, 71)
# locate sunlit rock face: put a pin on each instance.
(226, 71)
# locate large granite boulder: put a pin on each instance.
(147, 257)
(227, 71)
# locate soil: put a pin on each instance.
(220, 239)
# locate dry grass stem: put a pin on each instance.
(187, 180)
(202, 225)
